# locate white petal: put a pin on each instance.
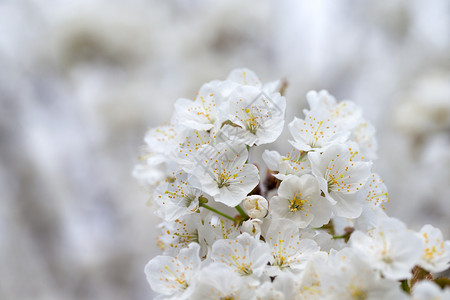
(347, 205)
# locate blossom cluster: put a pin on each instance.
(313, 227)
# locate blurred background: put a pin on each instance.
(82, 81)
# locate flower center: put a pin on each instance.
(224, 177)
(186, 238)
(178, 279)
(243, 268)
(281, 259)
(252, 122)
(188, 200)
(357, 293)
(297, 203)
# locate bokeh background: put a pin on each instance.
(82, 81)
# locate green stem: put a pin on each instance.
(405, 286)
(218, 212)
(339, 237)
(242, 212)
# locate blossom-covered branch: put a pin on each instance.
(314, 228)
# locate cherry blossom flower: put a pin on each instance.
(309, 282)
(375, 196)
(341, 175)
(190, 142)
(202, 113)
(284, 287)
(288, 250)
(245, 254)
(252, 227)
(346, 114)
(181, 233)
(216, 228)
(364, 135)
(323, 234)
(349, 277)
(162, 139)
(436, 251)
(173, 276)
(316, 132)
(224, 173)
(299, 200)
(294, 163)
(390, 248)
(217, 281)
(260, 116)
(255, 206)
(244, 76)
(177, 197)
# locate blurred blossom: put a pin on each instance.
(425, 108)
(81, 81)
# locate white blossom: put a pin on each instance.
(348, 277)
(323, 197)
(189, 143)
(162, 139)
(374, 197)
(252, 227)
(217, 282)
(294, 163)
(283, 287)
(376, 193)
(346, 114)
(181, 233)
(151, 174)
(310, 282)
(224, 173)
(364, 135)
(244, 76)
(203, 112)
(316, 132)
(216, 228)
(341, 175)
(257, 110)
(288, 250)
(244, 254)
(390, 248)
(255, 206)
(436, 251)
(260, 116)
(267, 291)
(177, 197)
(299, 200)
(426, 290)
(173, 276)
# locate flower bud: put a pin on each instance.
(255, 206)
(252, 227)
